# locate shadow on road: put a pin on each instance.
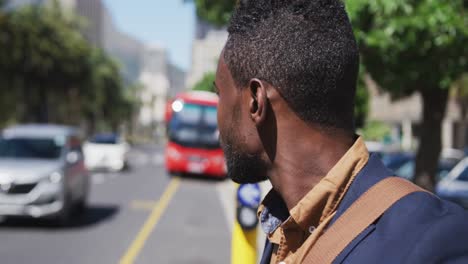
(126, 169)
(93, 215)
(200, 177)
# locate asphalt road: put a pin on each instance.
(138, 216)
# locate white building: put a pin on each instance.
(156, 84)
(207, 45)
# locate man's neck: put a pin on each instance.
(303, 162)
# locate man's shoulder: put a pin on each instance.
(424, 209)
(419, 228)
(431, 229)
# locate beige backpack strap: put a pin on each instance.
(361, 214)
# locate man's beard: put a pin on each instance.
(242, 168)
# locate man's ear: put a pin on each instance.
(258, 101)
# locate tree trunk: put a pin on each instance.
(430, 143)
(28, 103)
(24, 109)
(42, 105)
(461, 128)
(91, 121)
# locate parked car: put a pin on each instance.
(395, 160)
(448, 159)
(42, 172)
(454, 187)
(106, 151)
(381, 149)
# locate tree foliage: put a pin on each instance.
(216, 12)
(50, 73)
(41, 57)
(375, 131)
(459, 91)
(410, 46)
(206, 83)
(361, 107)
(415, 46)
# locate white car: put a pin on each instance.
(106, 152)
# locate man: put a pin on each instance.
(286, 80)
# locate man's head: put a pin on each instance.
(306, 51)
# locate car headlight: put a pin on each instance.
(55, 177)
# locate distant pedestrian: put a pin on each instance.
(286, 81)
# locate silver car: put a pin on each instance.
(42, 172)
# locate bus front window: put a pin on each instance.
(195, 126)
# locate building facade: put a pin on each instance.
(93, 12)
(155, 81)
(207, 45)
(404, 116)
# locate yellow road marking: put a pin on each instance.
(146, 205)
(150, 224)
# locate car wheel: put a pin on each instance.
(126, 166)
(80, 207)
(63, 218)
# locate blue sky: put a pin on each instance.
(170, 23)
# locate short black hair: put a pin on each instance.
(305, 49)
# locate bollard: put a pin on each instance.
(244, 234)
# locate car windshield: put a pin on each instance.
(407, 170)
(30, 148)
(394, 161)
(195, 126)
(104, 139)
(464, 175)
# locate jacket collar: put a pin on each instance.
(372, 173)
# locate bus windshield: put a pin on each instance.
(195, 126)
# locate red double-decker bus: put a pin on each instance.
(193, 146)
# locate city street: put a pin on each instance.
(139, 215)
(102, 100)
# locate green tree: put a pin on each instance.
(459, 92)
(361, 108)
(43, 57)
(50, 73)
(107, 101)
(6, 94)
(206, 83)
(376, 131)
(415, 46)
(216, 12)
